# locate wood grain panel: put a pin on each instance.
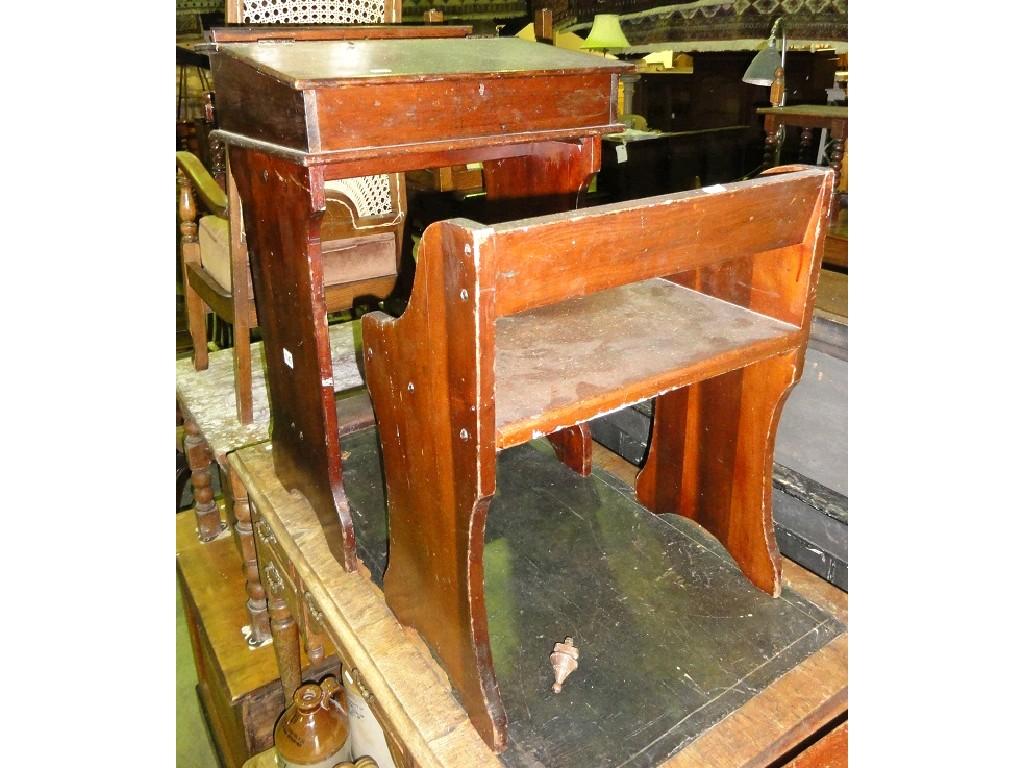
(447, 110)
(433, 396)
(552, 363)
(539, 261)
(251, 34)
(277, 116)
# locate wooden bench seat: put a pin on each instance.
(668, 335)
(701, 299)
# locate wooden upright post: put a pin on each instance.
(543, 26)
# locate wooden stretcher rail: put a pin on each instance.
(532, 327)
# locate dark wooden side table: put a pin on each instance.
(295, 113)
(808, 117)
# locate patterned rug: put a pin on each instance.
(707, 25)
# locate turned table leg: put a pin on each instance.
(313, 635)
(197, 453)
(806, 134)
(836, 162)
(285, 633)
(259, 620)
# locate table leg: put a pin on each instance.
(549, 179)
(771, 139)
(806, 135)
(574, 447)
(197, 453)
(836, 162)
(259, 621)
(710, 459)
(285, 633)
(283, 205)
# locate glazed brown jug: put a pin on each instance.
(313, 731)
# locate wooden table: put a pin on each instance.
(807, 117)
(753, 722)
(294, 115)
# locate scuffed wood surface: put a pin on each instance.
(790, 709)
(209, 396)
(554, 258)
(828, 752)
(570, 362)
(397, 667)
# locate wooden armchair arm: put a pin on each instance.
(214, 198)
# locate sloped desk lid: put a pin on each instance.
(305, 64)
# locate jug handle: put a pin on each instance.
(333, 691)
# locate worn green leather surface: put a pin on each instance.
(672, 636)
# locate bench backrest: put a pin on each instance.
(755, 243)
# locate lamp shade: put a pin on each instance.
(606, 33)
(762, 69)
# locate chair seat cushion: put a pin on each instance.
(356, 258)
(359, 258)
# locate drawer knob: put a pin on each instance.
(314, 610)
(274, 578)
(263, 531)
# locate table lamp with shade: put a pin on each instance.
(606, 34)
(768, 68)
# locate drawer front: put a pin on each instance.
(266, 539)
(276, 572)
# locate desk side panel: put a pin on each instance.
(258, 106)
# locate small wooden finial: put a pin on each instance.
(564, 660)
(778, 89)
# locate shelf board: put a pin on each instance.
(570, 362)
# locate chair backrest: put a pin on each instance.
(313, 11)
(550, 259)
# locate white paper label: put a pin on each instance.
(620, 152)
(287, 358)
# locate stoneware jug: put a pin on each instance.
(313, 731)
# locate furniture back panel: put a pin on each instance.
(543, 261)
